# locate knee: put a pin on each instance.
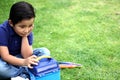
(3, 66)
(41, 51)
(46, 51)
(6, 70)
(3, 71)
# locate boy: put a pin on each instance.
(16, 40)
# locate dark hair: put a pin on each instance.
(21, 10)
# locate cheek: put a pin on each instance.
(20, 31)
(17, 30)
(31, 29)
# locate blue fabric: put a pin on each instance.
(8, 70)
(9, 38)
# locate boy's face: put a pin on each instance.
(24, 27)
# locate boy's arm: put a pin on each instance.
(7, 57)
(26, 49)
(4, 53)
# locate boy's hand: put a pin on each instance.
(30, 61)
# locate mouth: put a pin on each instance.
(22, 34)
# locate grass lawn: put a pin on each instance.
(81, 31)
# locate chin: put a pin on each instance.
(21, 35)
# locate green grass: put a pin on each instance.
(81, 31)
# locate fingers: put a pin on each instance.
(33, 61)
(29, 66)
(34, 56)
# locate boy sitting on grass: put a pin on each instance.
(16, 53)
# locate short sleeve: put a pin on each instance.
(3, 37)
(30, 38)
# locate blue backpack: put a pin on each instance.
(47, 69)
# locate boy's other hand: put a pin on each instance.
(30, 61)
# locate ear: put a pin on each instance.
(11, 23)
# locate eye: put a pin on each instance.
(22, 26)
(32, 25)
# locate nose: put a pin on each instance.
(26, 30)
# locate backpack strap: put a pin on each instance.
(41, 57)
